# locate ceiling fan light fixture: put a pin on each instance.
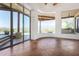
(45, 3)
(54, 4)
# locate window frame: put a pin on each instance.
(73, 26)
(5, 8)
(39, 26)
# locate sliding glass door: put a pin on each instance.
(20, 24)
(26, 27)
(17, 35)
(4, 29)
(14, 27)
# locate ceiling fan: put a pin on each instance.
(54, 4)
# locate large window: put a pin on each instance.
(4, 21)
(14, 28)
(47, 26)
(16, 34)
(26, 27)
(15, 22)
(4, 28)
(21, 22)
(77, 24)
(68, 25)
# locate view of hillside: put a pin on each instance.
(68, 23)
(48, 26)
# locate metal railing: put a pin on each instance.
(4, 41)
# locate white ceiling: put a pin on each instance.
(49, 8)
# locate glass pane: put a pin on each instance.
(15, 22)
(21, 26)
(68, 25)
(48, 26)
(16, 35)
(26, 27)
(4, 28)
(21, 22)
(77, 24)
(39, 26)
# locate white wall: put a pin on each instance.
(58, 22)
(34, 28)
(34, 23)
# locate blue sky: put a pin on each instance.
(5, 19)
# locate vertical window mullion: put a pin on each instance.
(30, 25)
(23, 24)
(18, 30)
(11, 27)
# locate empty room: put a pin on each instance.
(39, 29)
